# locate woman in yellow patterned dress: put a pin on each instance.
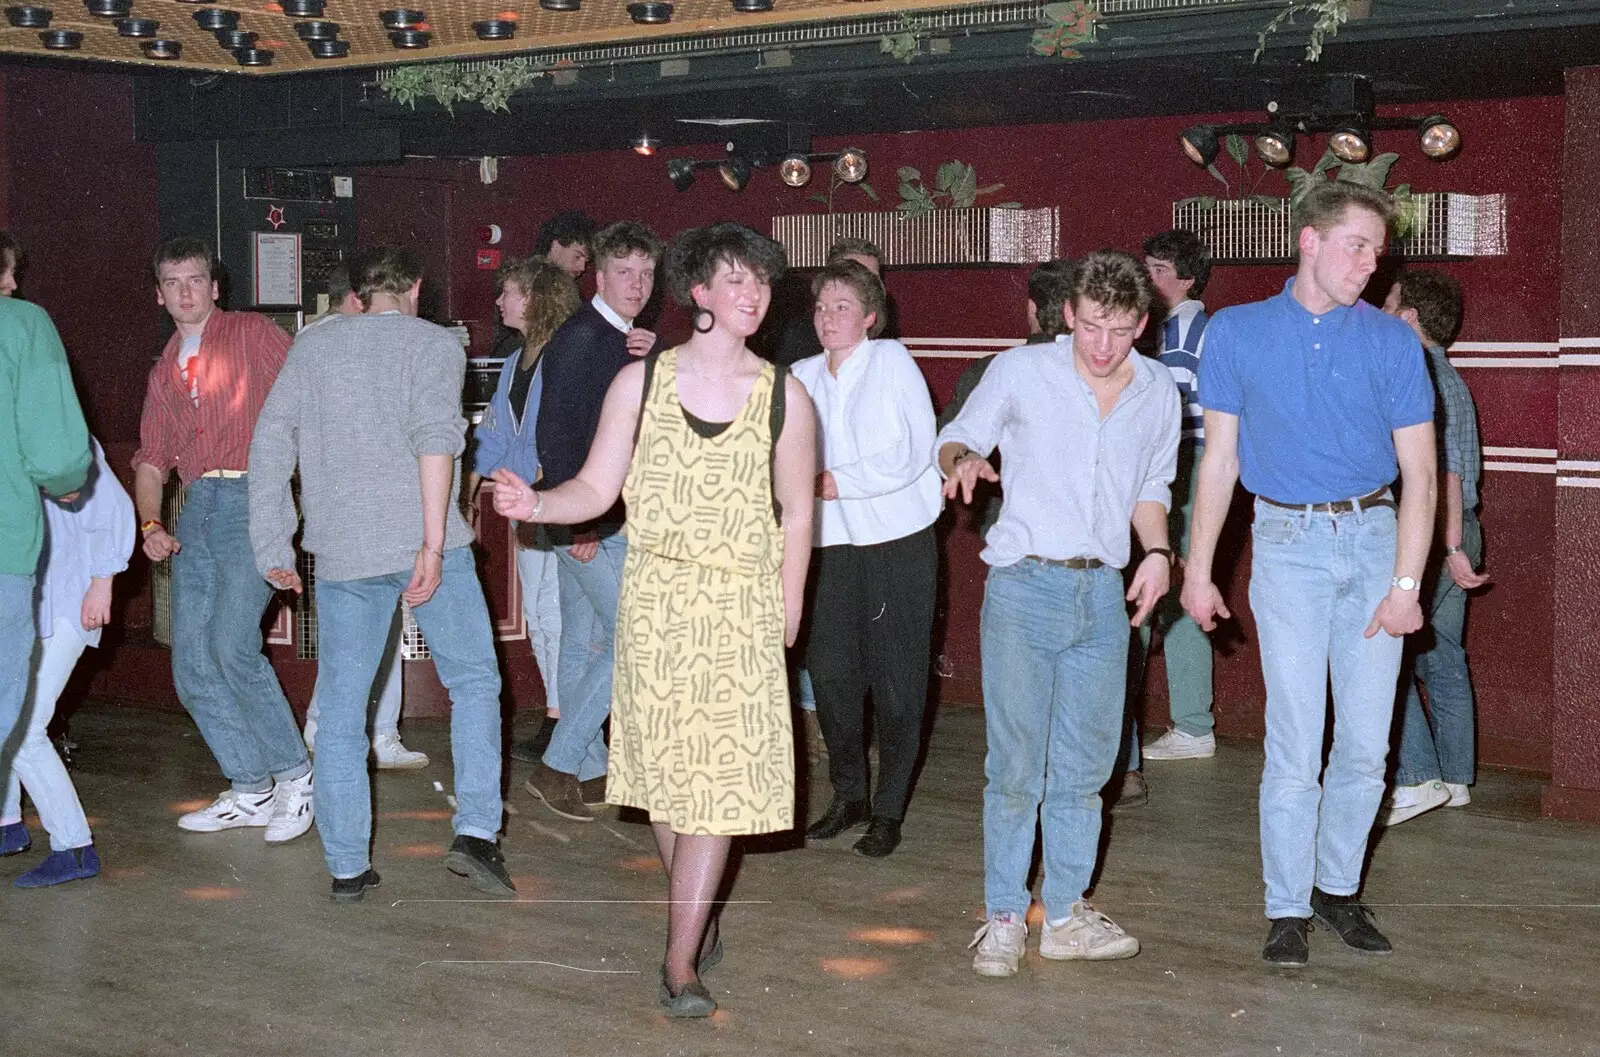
(714, 451)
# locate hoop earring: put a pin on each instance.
(711, 320)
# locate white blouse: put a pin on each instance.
(876, 439)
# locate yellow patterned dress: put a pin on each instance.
(701, 737)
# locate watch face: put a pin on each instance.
(1405, 583)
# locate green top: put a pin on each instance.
(43, 441)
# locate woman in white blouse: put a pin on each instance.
(876, 561)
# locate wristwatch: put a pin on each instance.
(1405, 583)
(1450, 552)
(1163, 551)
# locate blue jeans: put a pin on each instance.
(589, 592)
(353, 619)
(1447, 749)
(1315, 582)
(222, 677)
(1055, 655)
(16, 654)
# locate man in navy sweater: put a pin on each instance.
(580, 362)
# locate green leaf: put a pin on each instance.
(818, 198)
(1237, 149)
(1216, 172)
(867, 190)
(1326, 162)
(992, 189)
(965, 192)
(949, 172)
(908, 173)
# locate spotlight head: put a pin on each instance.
(735, 173)
(1438, 137)
(1200, 143)
(851, 165)
(650, 12)
(1275, 144)
(795, 170)
(162, 49)
(645, 144)
(1351, 142)
(681, 172)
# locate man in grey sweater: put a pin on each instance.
(369, 407)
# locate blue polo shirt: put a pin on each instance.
(1318, 397)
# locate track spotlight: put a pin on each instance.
(735, 173)
(681, 172)
(1438, 137)
(1200, 144)
(851, 165)
(645, 144)
(795, 170)
(1351, 141)
(1275, 144)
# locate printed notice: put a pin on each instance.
(277, 268)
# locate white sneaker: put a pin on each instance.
(231, 810)
(1459, 794)
(1087, 935)
(1176, 745)
(292, 811)
(1000, 942)
(1409, 801)
(310, 734)
(393, 756)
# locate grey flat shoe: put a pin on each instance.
(691, 1002)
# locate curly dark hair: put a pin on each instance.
(624, 239)
(1114, 280)
(1189, 256)
(567, 227)
(1437, 299)
(695, 254)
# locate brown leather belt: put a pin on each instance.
(1068, 563)
(1339, 506)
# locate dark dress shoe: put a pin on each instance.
(351, 889)
(881, 838)
(840, 816)
(482, 863)
(1286, 943)
(1351, 921)
(531, 749)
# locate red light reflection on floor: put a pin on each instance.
(420, 850)
(123, 873)
(528, 886)
(891, 936)
(855, 968)
(641, 864)
(213, 893)
(183, 807)
(902, 896)
(420, 815)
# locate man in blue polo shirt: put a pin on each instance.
(1318, 401)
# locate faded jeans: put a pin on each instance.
(37, 765)
(1315, 582)
(1444, 748)
(387, 693)
(589, 593)
(1055, 654)
(541, 611)
(222, 677)
(353, 624)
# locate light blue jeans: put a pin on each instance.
(222, 677)
(589, 593)
(1055, 655)
(353, 618)
(37, 766)
(1315, 582)
(16, 653)
(388, 687)
(1447, 748)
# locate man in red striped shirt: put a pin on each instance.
(200, 409)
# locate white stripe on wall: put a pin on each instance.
(1507, 361)
(1521, 467)
(1580, 359)
(1578, 482)
(1525, 453)
(1580, 343)
(1506, 346)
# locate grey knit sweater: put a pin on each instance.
(358, 401)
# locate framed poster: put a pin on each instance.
(275, 262)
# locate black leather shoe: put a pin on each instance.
(1286, 943)
(351, 889)
(531, 749)
(881, 838)
(840, 816)
(1351, 921)
(481, 862)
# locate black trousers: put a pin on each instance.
(871, 628)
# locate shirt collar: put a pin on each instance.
(856, 361)
(1335, 314)
(610, 313)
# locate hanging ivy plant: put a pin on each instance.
(491, 84)
(1330, 15)
(955, 187)
(1066, 25)
(905, 44)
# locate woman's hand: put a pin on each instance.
(96, 609)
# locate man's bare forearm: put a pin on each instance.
(148, 484)
(1418, 494)
(1213, 496)
(438, 474)
(1451, 512)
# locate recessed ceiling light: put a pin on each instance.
(233, 39)
(329, 49)
(109, 8)
(61, 39)
(302, 8)
(28, 17)
(316, 30)
(401, 18)
(162, 49)
(253, 57)
(410, 38)
(561, 5)
(650, 12)
(751, 7)
(137, 27)
(646, 144)
(495, 29)
(215, 18)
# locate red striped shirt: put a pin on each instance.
(239, 359)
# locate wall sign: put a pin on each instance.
(275, 261)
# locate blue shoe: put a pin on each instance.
(14, 838)
(59, 867)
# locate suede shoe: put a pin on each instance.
(1287, 945)
(840, 816)
(560, 793)
(531, 749)
(59, 867)
(14, 838)
(351, 889)
(1351, 921)
(692, 1001)
(482, 862)
(593, 792)
(1132, 791)
(882, 838)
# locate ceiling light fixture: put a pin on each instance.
(316, 30)
(328, 48)
(28, 17)
(495, 29)
(302, 8)
(735, 173)
(650, 12)
(1437, 137)
(645, 144)
(253, 56)
(109, 8)
(681, 172)
(137, 27)
(164, 50)
(1275, 144)
(410, 38)
(1200, 144)
(214, 18)
(795, 170)
(401, 18)
(751, 7)
(561, 5)
(234, 39)
(851, 165)
(1351, 141)
(61, 39)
